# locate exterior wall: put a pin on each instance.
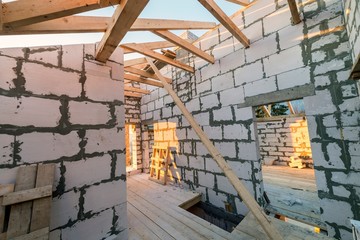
(352, 19)
(58, 105)
(311, 60)
(280, 140)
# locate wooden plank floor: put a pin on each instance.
(284, 185)
(153, 213)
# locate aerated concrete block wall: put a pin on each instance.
(311, 60)
(280, 140)
(352, 19)
(59, 105)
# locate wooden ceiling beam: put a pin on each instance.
(134, 78)
(135, 61)
(137, 90)
(240, 2)
(21, 13)
(143, 73)
(216, 11)
(153, 46)
(150, 53)
(144, 24)
(124, 17)
(85, 24)
(295, 16)
(171, 37)
(131, 94)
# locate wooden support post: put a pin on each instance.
(292, 111)
(266, 111)
(245, 195)
(294, 12)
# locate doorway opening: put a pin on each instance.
(287, 163)
(131, 147)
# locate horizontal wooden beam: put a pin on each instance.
(216, 11)
(21, 13)
(134, 78)
(137, 90)
(144, 24)
(124, 17)
(294, 12)
(135, 61)
(87, 24)
(171, 37)
(131, 94)
(153, 46)
(143, 73)
(27, 195)
(147, 52)
(240, 2)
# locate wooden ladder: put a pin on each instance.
(159, 166)
(30, 204)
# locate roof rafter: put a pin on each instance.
(216, 11)
(125, 15)
(135, 61)
(137, 90)
(150, 53)
(143, 73)
(153, 46)
(171, 37)
(132, 94)
(134, 78)
(240, 2)
(21, 13)
(84, 24)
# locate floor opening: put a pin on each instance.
(287, 164)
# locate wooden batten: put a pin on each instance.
(134, 78)
(135, 61)
(136, 90)
(132, 94)
(241, 189)
(143, 24)
(294, 12)
(143, 73)
(216, 11)
(147, 52)
(240, 2)
(171, 37)
(124, 17)
(153, 46)
(21, 13)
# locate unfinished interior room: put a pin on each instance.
(156, 119)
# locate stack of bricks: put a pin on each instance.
(311, 60)
(280, 140)
(59, 105)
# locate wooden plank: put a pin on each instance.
(240, 2)
(123, 18)
(191, 202)
(86, 24)
(245, 195)
(42, 207)
(143, 73)
(294, 12)
(20, 13)
(153, 46)
(142, 80)
(41, 234)
(171, 37)
(292, 111)
(216, 11)
(266, 111)
(20, 214)
(147, 52)
(140, 228)
(137, 90)
(135, 61)
(26, 195)
(4, 189)
(131, 94)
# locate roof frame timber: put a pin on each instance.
(216, 11)
(153, 46)
(134, 78)
(21, 13)
(295, 16)
(171, 37)
(150, 53)
(240, 2)
(86, 24)
(134, 62)
(144, 74)
(137, 90)
(124, 17)
(132, 94)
